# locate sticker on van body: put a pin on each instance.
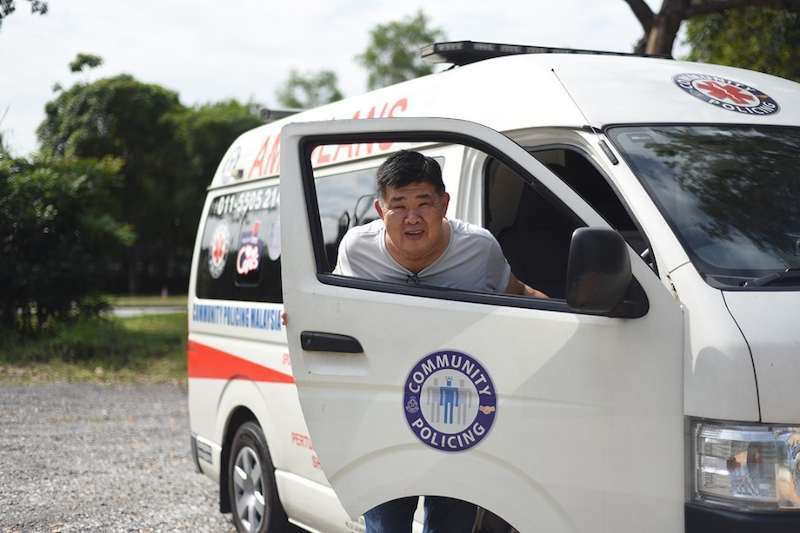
(450, 401)
(229, 170)
(274, 241)
(727, 94)
(218, 253)
(248, 260)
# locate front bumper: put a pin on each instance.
(700, 519)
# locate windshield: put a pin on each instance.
(732, 194)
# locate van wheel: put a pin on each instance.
(488, 522)
(251, 484)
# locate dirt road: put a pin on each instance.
(84, 457)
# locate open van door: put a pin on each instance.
(551, 418)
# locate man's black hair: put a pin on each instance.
(407, 167)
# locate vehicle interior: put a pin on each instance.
(533, 231)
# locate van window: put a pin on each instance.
(730, 193)
(583, 177)
(241, 247)
(345, 200)
(533, 231)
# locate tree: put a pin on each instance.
(9, 6)
(3, 147)
(124, 118)
(392, 54)
(661, 29)
(759, 38)
(59, 240)
(203, 135)
(310, 90)
(206, 132)
(83, 61)
(169, 154)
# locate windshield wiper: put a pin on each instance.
(776, 277)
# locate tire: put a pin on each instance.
(488, 522)
(251, 484)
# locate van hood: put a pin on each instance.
(769, 322)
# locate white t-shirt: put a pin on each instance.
(472, 260)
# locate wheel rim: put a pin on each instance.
(249, 489)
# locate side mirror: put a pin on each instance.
(599, 270)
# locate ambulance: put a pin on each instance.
(656, 202)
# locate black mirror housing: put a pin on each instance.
(599, 270)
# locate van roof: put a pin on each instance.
(530, 90)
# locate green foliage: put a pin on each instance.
(83, 61)
(148, 300)
(310, 90)
(206, 132)
(9, 6)
(124, 118)
(392, 55)
(58, 243)
(757, 38)
(202, 136)
(103, 348)
(170, 153)
(116, 116)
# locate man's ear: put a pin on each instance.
(446, 203)
(379, 209)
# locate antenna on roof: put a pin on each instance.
(465, 52)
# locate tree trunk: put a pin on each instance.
(132, 255)
(661, 30)
(666, 25)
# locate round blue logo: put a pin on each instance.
(449, 401)
(230, 165)
(727, 94)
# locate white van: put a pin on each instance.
(656, 202)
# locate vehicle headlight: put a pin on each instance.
(745, 467)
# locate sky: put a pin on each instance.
(212, 50)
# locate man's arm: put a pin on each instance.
(515, 286)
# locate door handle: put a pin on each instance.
(318, 341)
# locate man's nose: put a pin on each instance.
(413, 215)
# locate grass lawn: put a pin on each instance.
(148, 348)
(148, 301)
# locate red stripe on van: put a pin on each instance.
(207, 362)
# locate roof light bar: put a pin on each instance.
(268, 115)
(465, 52)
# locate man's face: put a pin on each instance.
(413, 216)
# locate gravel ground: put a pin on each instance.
(85, 457)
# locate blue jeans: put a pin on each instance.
(442, 515)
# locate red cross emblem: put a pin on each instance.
(727, 94)
(220, 248)
(724, 91)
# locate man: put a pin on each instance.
(414, 242)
